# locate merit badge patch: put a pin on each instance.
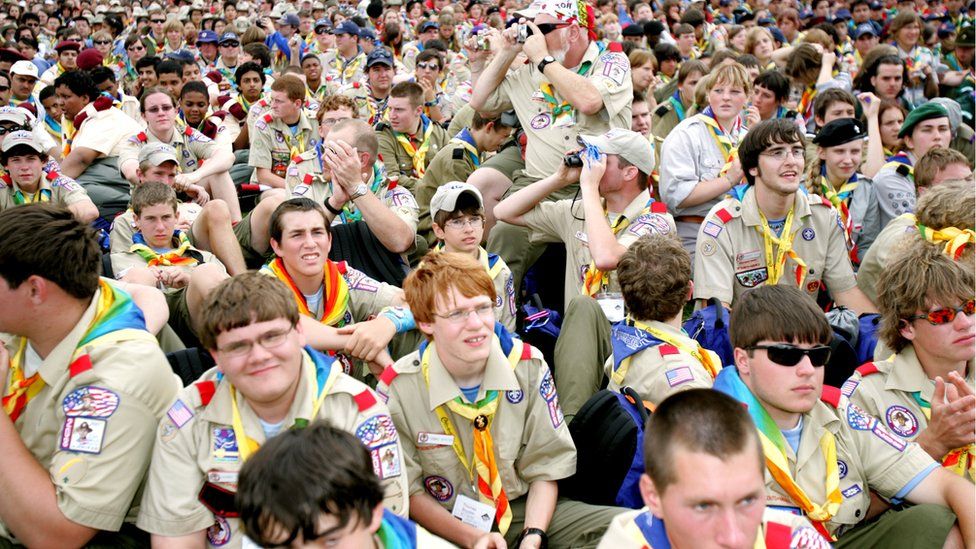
(82, 434)
(179, 413)
(555, 412)
(806, 537)
(219, 533)
(438, 487)
(377, 431)
(90, 402)
(752, 278)
(808, 234)
(712, 229)
(854, 490)
(541, 121)
(859, 419)
(649, 223)
(901, 420)
(841, 468)
(515, 396)
(386, 461)
(224, 444)
(678, 376)
(547, 388)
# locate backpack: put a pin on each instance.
(609, 435)
(709, 326)
(855, 338)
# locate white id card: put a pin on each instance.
(435, 439)
(612, 305)
(474, 513)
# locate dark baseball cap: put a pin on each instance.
(207, 37)
(379, 56)
(346, 27)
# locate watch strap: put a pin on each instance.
(328, 206)
(529, 531)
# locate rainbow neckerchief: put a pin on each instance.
(173, 258)
(396, 532)
(955, 239)
(335, 291)
(115, 311)
(723, 139)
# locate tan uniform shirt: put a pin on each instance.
(731, 257)
(624, 534)
(64, 191)
(869, 458)
(305, 177)
(93, 431)
(192, 147)
(563, 221)
(549, 137)
(196, 444)
(273, 145)
(886, 392)
(339, 71)
(531, 439)
(398, 162)
(881, 251)
(104, 132)
(658, 372)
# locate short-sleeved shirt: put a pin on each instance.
(531, 438)
(196, 445)
(61, 191)
(870, 457)
(730, 256)
(889, 390)
(273, 145)
(305, 177)
(895, 190)
(550, 139)
(341, 71)
(95, 420)
(661, 370)
(452, 163)
(396, 159)
(105, 132)
(191, 146)
(880, 253)
(564, 221)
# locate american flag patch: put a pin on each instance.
(90, 402)
(848, 387)
(712, 229)
(679, 375)
(179, 413)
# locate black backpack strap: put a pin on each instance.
(190, 364)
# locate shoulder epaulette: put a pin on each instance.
(457, 154)
(659, 207)
(382, 126)
(206, 390)
(662, 110)
(724, 215)
(342, 266)
(830, 395)
(526, 351)
(80, 365)
(867, 369)
(388, 375)
(365, 400)
(268, 118)
(667, 349)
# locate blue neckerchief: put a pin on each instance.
(901, 158)
(465, 135)
(626, 341)
(52, 123)
(323, 366)
(739, 191)
(679, 109)
(653, 530)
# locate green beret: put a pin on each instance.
(927, 111)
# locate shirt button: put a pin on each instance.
(857, 513)
(416, 363)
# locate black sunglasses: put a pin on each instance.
(102, 42)
(229, 44)
(791, 355)
(4, 88)
(546, 28)
(158, 20)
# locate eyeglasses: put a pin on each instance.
(459, 316)
(230, 44)
(161, 108)
(779, 154)
(948, 314)
(791, 355)
(267, 341)
(331, 121)
(460, 223)
(102, 42)
(8, 129)
(429, 66)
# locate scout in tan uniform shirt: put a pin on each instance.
(615, 209)
(506, 480)
(824, 455)
(410, 140)
(84, 385)
(217, 423)
(651, 353)
(281, 134)
(91, 128)
(359, 189)
(771, 233)
(459, 220)
(926, 302)
(704, 463)
(26, 181)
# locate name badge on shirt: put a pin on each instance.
(612, 305)
(473, 513)
(222, 477)
(435, 439)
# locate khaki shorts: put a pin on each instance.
(507, 161)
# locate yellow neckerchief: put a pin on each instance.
(489, 485)
(299, 136)
(697, 352)
(840, 199)
(594, 279)
(247, 445)
(347, 69)
(20, 390)
(960, 460)
(955, 239)
(418, 155)
(723, 139)
(806, 103)
(776, 264)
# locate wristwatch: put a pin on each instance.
(360, 190)
(545, 61)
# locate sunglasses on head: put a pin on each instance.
(791, 355)
(4, 130)
(947, 314)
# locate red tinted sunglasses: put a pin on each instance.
(948, 314)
